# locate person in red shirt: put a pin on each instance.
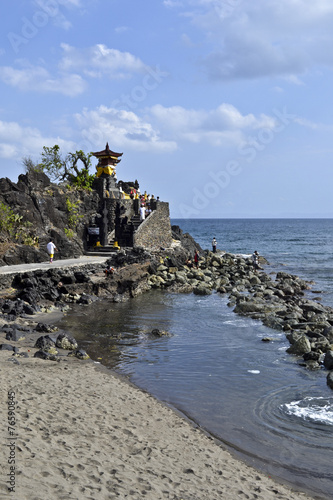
(196, 259)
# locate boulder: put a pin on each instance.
(201, 290)
(329, 380)
(274, 322)
(254, 306)
(46, 343)
(46, 355)
(301, 346)
(66, 341)
(8, 347)
(292, 337)
(328, 333)
(311, 356)
(43, 327)
(328, 360)
(79, 354)
(156, 332)
(14, 335)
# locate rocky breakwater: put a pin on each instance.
(282, 302)
(25, 295)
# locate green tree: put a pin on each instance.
(65, 168)
(12, 227)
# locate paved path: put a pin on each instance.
(23, 268)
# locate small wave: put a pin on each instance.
(311, 409)
(236, 322)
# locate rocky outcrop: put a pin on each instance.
(42, 204)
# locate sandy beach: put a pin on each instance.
(77, 431)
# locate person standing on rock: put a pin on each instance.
(214, 244)
(50, 249)
(196, 259)
(255, 261)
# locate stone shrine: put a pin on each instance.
(106, 175)
(117, 221)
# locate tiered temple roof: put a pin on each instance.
(107, 157)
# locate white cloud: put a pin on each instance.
(127, 130)
(38, 79)
(167, 129)
(306, 123)
(17, 141)
(264, 37)
(224, 125)
(99, 60)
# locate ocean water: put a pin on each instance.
(301, 246)
(214, 367)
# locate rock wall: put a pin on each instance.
(155, 231)
(43, 205)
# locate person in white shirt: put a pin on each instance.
(255, 261)
(142, 213)
(50, 249)
(214, 243)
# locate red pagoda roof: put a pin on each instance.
(107, 153)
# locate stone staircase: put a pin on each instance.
(127, 231)
(125, 239)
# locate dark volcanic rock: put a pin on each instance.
(301, 346)
(66, 341)
(46, 355)
(15, 335)
(43, 205)
(328, 360)
(8, 347)
(45, 342)
(186, 241)
(329, 380)
(79, 354)
(43, 327)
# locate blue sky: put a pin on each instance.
(222, 107)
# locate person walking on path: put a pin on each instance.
(214, 243)
(142, 213)
(50, 249)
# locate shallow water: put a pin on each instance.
(216, 369)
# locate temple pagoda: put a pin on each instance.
(107, 161)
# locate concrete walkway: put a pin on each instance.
(23, 268)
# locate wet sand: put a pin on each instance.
(82, 432)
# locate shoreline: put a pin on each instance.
(249, 480)
(87, 432)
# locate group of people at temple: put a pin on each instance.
(146, 205)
